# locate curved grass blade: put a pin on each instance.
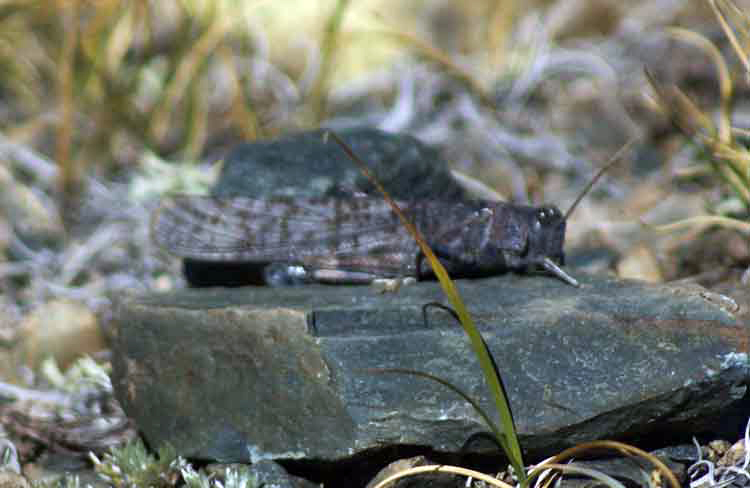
(458, 391)
(626, 449)
(508, 438)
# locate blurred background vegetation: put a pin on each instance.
(528, 96)
(98, 82)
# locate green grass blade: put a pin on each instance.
(509, 437)
(458, 391)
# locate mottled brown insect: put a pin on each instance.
(359, 239)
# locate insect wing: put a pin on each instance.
(247, 229)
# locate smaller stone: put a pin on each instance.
(306, 165)
(734, 456)
(716, 450)
(8, 479)
(640, 264)
(62, 329)
(31, 218)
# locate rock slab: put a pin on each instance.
(307, 164)
(245, 374)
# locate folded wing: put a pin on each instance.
(280, 229)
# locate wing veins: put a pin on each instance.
(210, 228)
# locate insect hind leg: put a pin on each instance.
(385, 271)
(340, 276)
(380, 284)
(284, 274)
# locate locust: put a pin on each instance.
(359, 239)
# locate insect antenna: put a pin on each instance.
(612, 160)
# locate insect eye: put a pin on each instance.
(546, 215)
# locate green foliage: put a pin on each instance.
(67, 481)
(157, 176)
(82, 376)
(196, 479)
(235, 477)
(505, 431)
(721, 147)
(133, 466)
(328, 48)
(127, 76)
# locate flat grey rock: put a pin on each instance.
(246, 374)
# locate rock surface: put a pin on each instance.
(246, 374)
(305, 164)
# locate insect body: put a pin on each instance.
(360, 238)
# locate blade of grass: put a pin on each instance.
(508, 439)
(458, 391)
(71, 174)
(594, 474)
(725, 79)
(441, 468)
(187, 71)
(318, 95)
(730, 33)
(730, 169)
(623, 448)
(692, 122)
(734, 170)
(437, 57)
(241, 108)
(702, 221)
